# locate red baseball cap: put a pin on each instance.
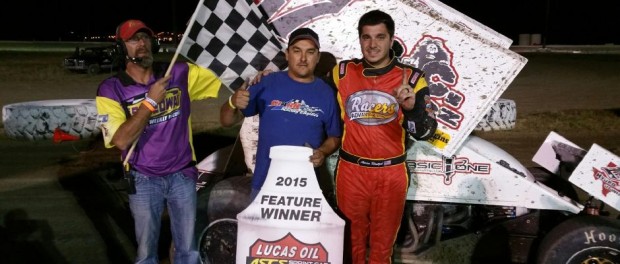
(127, 29)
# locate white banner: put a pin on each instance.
(290, 221)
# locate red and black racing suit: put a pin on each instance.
(371, 175)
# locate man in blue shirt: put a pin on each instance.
(295, 107)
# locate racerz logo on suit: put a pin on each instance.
(371, 107)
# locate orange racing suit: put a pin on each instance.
(371, 175)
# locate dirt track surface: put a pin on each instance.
(42, 184)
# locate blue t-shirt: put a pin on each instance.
(291, 113)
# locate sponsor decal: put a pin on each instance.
(610, 177)
(102, 118)
(448, 167)
(287, 250)
(440, 139)
(167, 109)
(507, 165)
(295, 106)
(371, 107)
(432, 55)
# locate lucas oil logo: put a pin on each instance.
(610, 177)
(287, 250)
(371, 107)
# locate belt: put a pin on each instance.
(372, 162)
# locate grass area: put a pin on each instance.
(570, 120)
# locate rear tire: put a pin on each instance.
(582, 239)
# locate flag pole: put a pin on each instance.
(187, 29)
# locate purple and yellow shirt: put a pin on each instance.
(165, 146)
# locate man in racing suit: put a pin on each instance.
(382, 100)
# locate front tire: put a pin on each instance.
(582, 239)
(218, 243)
(94, 69)
(216, 224)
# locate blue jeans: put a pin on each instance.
(178, 193)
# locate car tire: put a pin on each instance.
(219, 242)
(94, 69)
(216, 224)
(37, 120)
(501, 116)
(581, 239)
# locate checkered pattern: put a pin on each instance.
(233, 39)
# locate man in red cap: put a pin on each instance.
(146, 116)
(127, 36)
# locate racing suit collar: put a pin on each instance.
(369, 70)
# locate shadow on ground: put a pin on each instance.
(26, 240)
(95, 180)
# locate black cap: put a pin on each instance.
(304, 33)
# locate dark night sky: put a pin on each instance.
(569, 22)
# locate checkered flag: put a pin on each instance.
(233, 39)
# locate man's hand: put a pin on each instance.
(317, 158)
(241, 98)
(328, 147)
(157, 92)
(258, 76)
(404, 94)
